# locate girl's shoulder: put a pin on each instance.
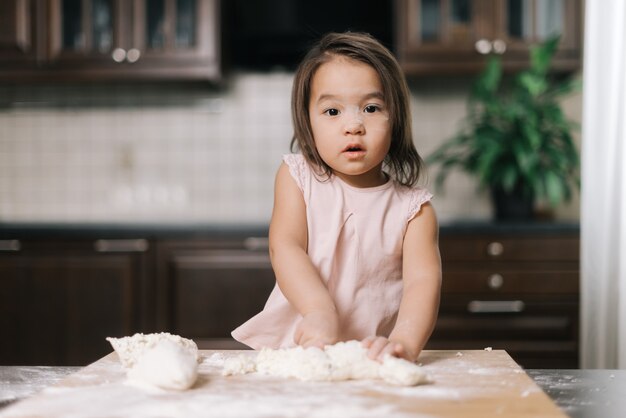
(416, 197)
(298, 168)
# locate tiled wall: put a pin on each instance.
(190, 156)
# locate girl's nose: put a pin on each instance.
(354, 127)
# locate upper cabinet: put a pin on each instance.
(110, 39)
(20, 45)
(455, 36)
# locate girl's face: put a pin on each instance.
(350, 121)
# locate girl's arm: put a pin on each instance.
(295, 274)
(421, 272)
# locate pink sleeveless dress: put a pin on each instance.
(355, 241)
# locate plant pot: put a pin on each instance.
(516, 205)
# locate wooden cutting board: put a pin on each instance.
(472, 383)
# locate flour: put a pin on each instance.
(162, 361)
(101, 391)
(130, 349)
(342, 361)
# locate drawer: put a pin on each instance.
(511, 279)
(494, 247)
(467, 318)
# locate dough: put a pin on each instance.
(167, 365)
(130, 349)
(341, 361)
(161, 360)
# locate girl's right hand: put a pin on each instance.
(317, 329)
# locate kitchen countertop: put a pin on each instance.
(23, 230)
(579, 393)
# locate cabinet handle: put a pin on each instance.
(10, 245)
(499, 46)
(495, 281)
(256, 243)
(121, 245)
(133, 55)
(495, 306)
(483, 46)
(118, 55)
(495, 249)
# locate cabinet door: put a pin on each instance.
(521, 23)
(455, 36)
(207, 289)
(87, 35)
(60, 301)
(135, 39)
(175, 38)
(436, 35)
(18, 35)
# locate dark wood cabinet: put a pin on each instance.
(455, 36)
(206, 288)
(62, 292)
(61, 299)
(518, 292)
(88, 40)
(21, 47)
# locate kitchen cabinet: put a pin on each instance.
(63, 290)
(20, 43)
(60, 299)
(208, 287)
(455, 36)
(93, 40)
(514, 291)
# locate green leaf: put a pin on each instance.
(534, 84)
(489, 80)
(509, 178)
(554, 188)
(532, 134)
(541, 55)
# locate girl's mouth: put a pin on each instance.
(354, 151)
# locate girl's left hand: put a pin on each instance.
(378, 347)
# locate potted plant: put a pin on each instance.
(515, 138)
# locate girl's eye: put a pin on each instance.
(331, 112)
(371, 109)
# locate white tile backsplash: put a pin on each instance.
(212, 160)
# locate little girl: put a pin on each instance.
(353, 243)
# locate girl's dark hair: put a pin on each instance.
(403, 161)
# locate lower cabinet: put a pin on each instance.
(206, 288)
(60, 297)
(518, 292)
(59, 300)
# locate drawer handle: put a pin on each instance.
(495, 306)
(256, 243)
(495, 249)
(10, 245)
(121, 245)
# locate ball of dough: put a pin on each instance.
(167, 365)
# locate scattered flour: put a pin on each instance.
(341, 361)
(216, 359)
